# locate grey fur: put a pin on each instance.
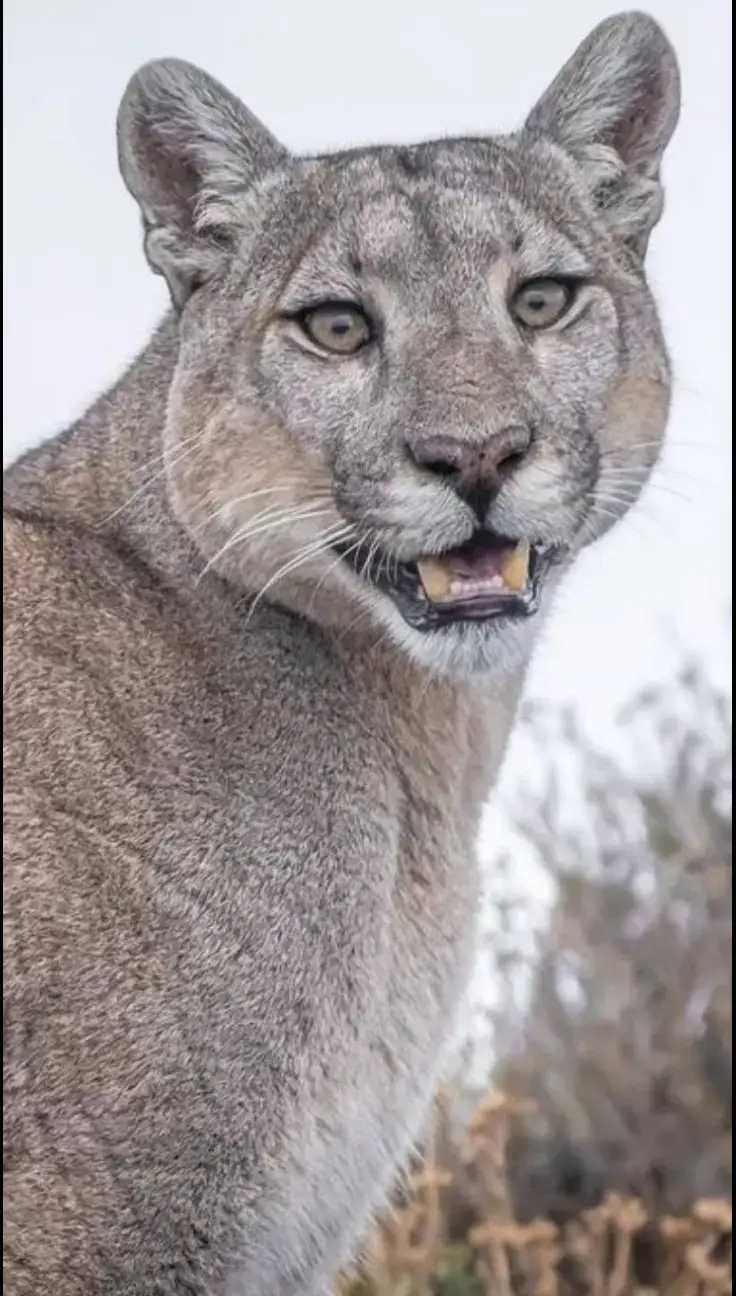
(240, 888)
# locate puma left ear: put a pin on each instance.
(614, 107)
(187, 148)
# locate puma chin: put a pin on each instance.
(413, 383)
(461, 609)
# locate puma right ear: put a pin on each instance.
(614, 107)
(186, 148)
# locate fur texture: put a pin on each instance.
(241, 793)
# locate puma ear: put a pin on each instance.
(186, 148)
(614, 107)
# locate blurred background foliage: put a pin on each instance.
(598, 1158)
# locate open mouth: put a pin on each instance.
(489, 576)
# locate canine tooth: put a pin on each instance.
(515, 570)
(434, 579)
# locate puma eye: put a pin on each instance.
(541, 302)
(338, 328)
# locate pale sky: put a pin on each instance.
(79, 299)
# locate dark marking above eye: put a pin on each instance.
(517, 242)
(409, 162)
(356, 265)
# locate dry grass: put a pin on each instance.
(455, 1234)
(610, 1171)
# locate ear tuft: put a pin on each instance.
(614, 106)
(187, 148)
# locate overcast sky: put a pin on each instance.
(79, 300)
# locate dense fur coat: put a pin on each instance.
(242, 784)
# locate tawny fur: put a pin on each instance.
(241, 801)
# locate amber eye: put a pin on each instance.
(541, 302)
(339, 328)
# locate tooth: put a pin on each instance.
(515, 570)
(434, 579)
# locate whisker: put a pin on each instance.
(620, 496)
(661, 470)
(157, 458)
(241, 499)
(384, 565)
(622, 510)
(598, 509)
(381, 640)
(271, 513)
(621, 478)
(361, 615)
(332, 566)
(248, 531)
(666, 444)
(372, 550)
(323, 542)
(146, 485)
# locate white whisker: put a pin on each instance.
(311, 550)
(146, 485)
(623, 479)
(241, 499)
(360, 616)
(248, 531)
(340, 558)
(372, 549)
(598, 509)
(158, 458)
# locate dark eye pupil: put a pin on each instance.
(337, 328)
(535, 301)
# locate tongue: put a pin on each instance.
(479, 568)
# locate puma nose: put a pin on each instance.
(474, 471)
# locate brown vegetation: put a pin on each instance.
(609, 1170)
